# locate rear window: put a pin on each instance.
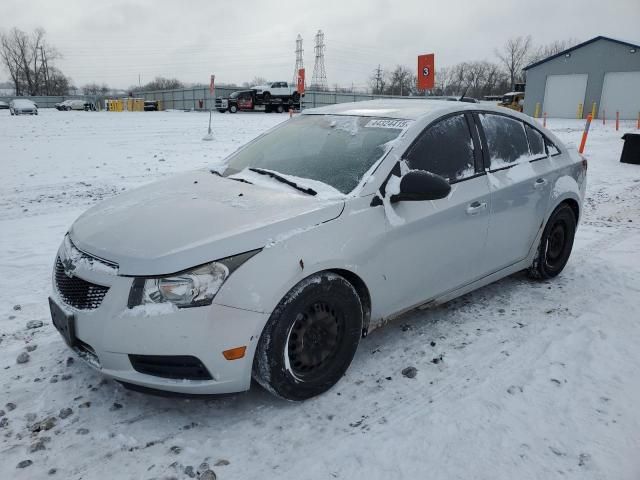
(506, 140)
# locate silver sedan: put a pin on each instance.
(275, 264)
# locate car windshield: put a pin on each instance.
(234, 94)
(334, 149)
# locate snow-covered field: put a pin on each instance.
(518, 380)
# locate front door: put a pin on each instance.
(434, 247)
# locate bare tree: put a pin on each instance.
(514, 55)
(401, 81)
(552, 48)
(29, 60)
(159, 83)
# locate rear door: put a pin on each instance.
(432, 247)
(519, 178)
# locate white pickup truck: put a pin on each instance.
(283, 90)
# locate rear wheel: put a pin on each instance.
(310, 338)
(279, 109)
(555, 244)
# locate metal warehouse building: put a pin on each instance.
(601, 71)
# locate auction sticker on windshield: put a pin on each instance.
(388, 123)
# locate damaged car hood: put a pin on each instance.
(191, 219)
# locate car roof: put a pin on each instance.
(409, 109)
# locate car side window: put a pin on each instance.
(506, 140)
(536, 142)
(446, 149)
(553, 150)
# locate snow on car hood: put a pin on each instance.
(191, 219)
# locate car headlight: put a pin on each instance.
(191, 288)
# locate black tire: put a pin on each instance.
(221, 110)
(310, 338)
(279, 109)
(555, 244)
(233, 108)
(266, 96)
(295, 97)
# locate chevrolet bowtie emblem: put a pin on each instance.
(69, 267)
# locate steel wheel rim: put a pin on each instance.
(314, 339)
(556, 243)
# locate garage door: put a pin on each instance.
(563, 93)
(621, 92)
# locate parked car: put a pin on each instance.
(151, 105)
(4, 106)
(75, 104)
(22, 106)
(274, 265)
(282, 90)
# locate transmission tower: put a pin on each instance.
(319, 80)
(299, 61)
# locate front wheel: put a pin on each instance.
(310, 338)
(266, 96)
(555, 244)
(233, 108)
(296, 97)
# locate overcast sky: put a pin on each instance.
(114, 41)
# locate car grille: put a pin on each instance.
(77, 292)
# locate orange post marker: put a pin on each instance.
(544, 119)
(617, 121)
(638, 126)
(585, 133)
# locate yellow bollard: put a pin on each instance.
(536, 113)
(580, 111)
(593, 110)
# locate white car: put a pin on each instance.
(73, 104)
(281, 90)
(274, 265)
(22, 106)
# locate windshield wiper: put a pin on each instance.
(231, 178)
(280, 178)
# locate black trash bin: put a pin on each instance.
(631, 149)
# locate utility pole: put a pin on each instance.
(378, 80)
(299, 60)
(319, 79)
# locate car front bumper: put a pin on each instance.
(112, 337)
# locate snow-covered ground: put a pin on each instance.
(518, 380)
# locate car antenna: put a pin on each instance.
(463, 94)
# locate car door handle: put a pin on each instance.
(541, 182)
(476, 207)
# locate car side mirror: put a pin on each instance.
(419, 185)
